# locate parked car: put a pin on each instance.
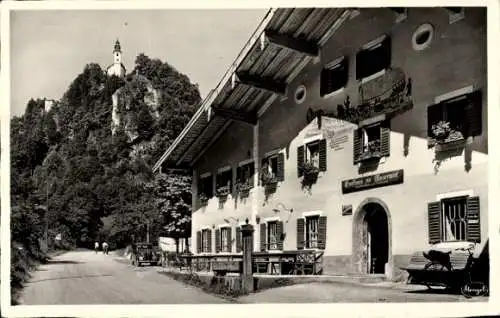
(145, 253)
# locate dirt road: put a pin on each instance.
(83, 277)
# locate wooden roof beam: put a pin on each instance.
(290, 42)
(455, 10)
(399, 10)
(249, 117)
(267, 84)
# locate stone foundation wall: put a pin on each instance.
(342, 265)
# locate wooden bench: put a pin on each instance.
(423, 271)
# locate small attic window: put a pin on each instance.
(300, 94)
(455, 14)
(373, 58)
(422, 37)
(334, 76)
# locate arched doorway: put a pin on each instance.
(372, 245)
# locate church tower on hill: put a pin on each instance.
(117, 68)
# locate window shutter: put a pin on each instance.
(325, 82)
(239, 174)
(217, 241)
(281, 167)
(300, 160)
(322, 155)
(229, 240)
(473, 114)
(357, 146)
(209, 241)
(198, 242)
(300, 233)
(386, 44)
(434, 115)
(322, 232)
(279, 230)
(434, 216)
(473, 220)
(263, 242)
(360, 64)
(238, 239)
(385, 141)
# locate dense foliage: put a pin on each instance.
(76, 173)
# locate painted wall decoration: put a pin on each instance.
(389, 94)
(335, 131)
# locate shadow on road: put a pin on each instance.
(68, 277)
(52, 262)
(437, 291)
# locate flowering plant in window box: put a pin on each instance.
(372, 150)
(309, 169)
(441, 130)
(244, 187)
(203, 198)
(445, 135)
(310, 175)
(223, 191)
(267, 178)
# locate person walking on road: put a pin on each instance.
(105, 247)
(96, 247)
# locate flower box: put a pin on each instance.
(244, 187)
(372, 151)
(309, 169)
(268, 179)
(203, 199)
(223, 191)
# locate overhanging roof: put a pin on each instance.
(282, 45)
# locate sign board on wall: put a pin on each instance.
(373, 181)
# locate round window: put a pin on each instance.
(422, 37)
(300, 94)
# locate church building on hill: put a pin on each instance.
(117, 68)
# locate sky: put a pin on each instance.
(50, 48)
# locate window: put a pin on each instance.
(239, 239)
(312, 231)
(272, 235)
(454, 219)
(371, 138)
(455, 14)
(312, 154)
(205, 241)
(456, 118)
(206, 188)
(372, 142)
(224, 182)
(224, 239)
(300, 94)
(374, 58)
(245, 174)
(272, 169)
(334, 77)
